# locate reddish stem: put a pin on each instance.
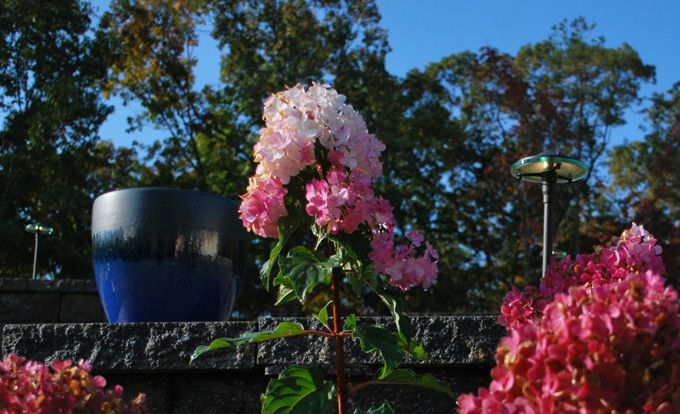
(363, 385)
(315, 332)
(339, 349)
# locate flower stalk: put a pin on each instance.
(341, 386)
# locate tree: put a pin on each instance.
(563, 94)
(452, 131)
(265, 45)
(52, 66)
(646, 182)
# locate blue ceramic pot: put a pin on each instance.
(164, 254)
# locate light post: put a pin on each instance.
(37, 229)
(548, 169)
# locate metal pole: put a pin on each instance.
(548, 186)
(35, 255)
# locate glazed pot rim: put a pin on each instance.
(163, 190)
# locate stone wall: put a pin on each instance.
(153, 357)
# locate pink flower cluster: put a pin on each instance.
(31, 387)
(263, 206)
(404, 267)
(295, 121)
(302, 124)
(608, 343)
(634, 252)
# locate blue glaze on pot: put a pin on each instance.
(167, 255)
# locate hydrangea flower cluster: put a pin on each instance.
(608, 342)
(634, 252)
(314, 129)
(31, 387)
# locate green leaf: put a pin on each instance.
(297, 391)
(377, 338)
(285, 295)
(286, 292)
(268, 266)
(322, 316)
(282, 330)
(405, 330)
(355, 283)
(304, 269)
(385, 408)
(408, 377)
(321, 232)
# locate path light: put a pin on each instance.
(548, 169)
(38, 230)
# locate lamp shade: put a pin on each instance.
(535, 167)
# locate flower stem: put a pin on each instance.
(339, 349)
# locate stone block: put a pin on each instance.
(29, 307)
(63, 285)
(13, 284)
(159, 346)
(449, 340)
(81, 307)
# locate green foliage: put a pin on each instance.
(646, 181)
(282, 330)
(405, 330)
(53, 63)
(408, 377)
(303, 269)
(297, 391)
(322, 316)
(385, 408)
(451, 130)
(377, 338)
(268, 266)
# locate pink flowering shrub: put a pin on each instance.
(635, 252)
(313, 186)
(313, 131)
(600, 335)
(31, 387)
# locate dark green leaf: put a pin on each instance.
(304, 269)
(408, 377)
(385, 408)
(282, 330)
(286, 292)
(284, 295)
(297, 391)
(405, 330)
(268, 266)
(377, 338)
(322, 316)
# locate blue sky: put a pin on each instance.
(422, 32)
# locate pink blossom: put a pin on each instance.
(317, 201)
(601, 335)
(263, 205)
(301, 123)
(31, 387)
(402, 264)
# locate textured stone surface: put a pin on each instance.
(81, 307)
(153, 358)
(29, 307)
(130, 347)
(63, 285)
(13, 284)
(450, 340)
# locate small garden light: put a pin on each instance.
(548, 169)
(38, 230)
